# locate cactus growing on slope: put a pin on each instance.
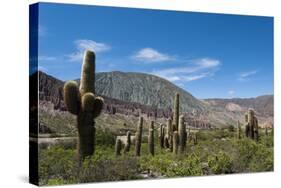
(138, 137)
(118, 146)
(161, 135)
(85, 105)
(238, 130)
(151, 138)
(176, 112)
(182, 134)
(252, 128)
(175, 142)
(128, 142)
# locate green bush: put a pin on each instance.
(220, 163)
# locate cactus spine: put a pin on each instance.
(182, 135)
(118, 146)
(85, 105)
(151, 138)
(176, 112)
(139, 137)
(175, 142)
(128, 142)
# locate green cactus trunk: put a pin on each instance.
(85, 105)
(128, 142)
(170, 134)
(252, 127)
(182, 135)
(266, 131)
(138, 138)
(118, 146)
(151, 138)
(175, 142)
(161, 136)
(176, 112)
(238, 130)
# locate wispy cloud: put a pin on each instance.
(245, 76)
(231, 93)
(83, 44)
(46, 58)
(42, 30)
(151, 55)
(195, 70)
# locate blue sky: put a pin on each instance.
(209, 55)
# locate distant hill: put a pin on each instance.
(139, 93)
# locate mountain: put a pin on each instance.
(263, 105)
(145, 89)
(151, 96)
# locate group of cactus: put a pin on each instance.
(118, 144)
(251, 127)
(174, 136)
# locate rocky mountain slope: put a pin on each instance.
(151, 96)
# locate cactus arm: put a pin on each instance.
(87, 83)
(98, 105)
(71, 97)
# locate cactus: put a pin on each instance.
(175, 142)
(176, 112)
(151, 138)
(138, 137)
(252, 128)
(195, 141)
(266, 131)
(85, 105)
(161, 135)
(238, 130)
(118, 146)
(182, 135)
(128, 142)
(170, 134)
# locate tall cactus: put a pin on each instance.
(161, 135)
(170, 134)
(252, 128)
(128, 142)
(175, 142)
(138, 137)
(151, 138)
(118, 146)
(238, 130)
(176, 112)
(182, 135)
(85, 105)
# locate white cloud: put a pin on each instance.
(231, 93)
(151, 55)
(83, 45)
(46, 58)
(41, 68)
(244, 76)
(196, 70)
(42, 31)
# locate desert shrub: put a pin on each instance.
(56, 163)
(253, 156)
(171, 166)
(220, 163)
(105, 137)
